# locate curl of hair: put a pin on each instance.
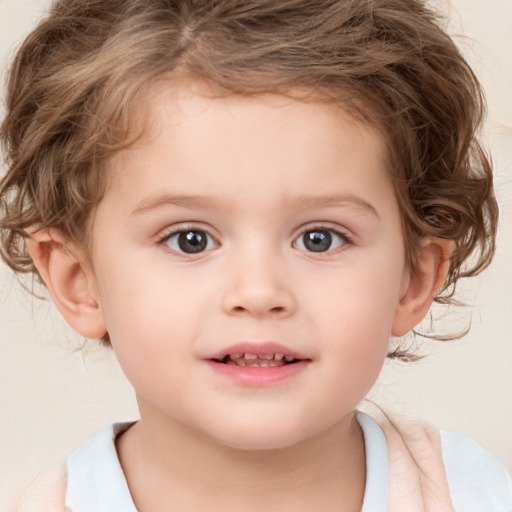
(77, 77)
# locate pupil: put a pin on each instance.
(192, 241)
(317, 241)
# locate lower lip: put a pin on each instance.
(258, 376)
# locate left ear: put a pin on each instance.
(422, 284)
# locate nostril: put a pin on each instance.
(277, 310)
(257, 301)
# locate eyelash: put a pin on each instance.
(184, 229)
(344, 238)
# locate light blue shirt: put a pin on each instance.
(477, 479)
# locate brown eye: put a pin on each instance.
(319, 240)
(190, 242)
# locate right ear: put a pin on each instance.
(70, 281)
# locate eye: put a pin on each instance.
(190, 241)
(320, 240)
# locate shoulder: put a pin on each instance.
(446, 470)
(478, 480)
(47, 492)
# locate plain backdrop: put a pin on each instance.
(56, 392)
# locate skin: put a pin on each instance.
(253, 175)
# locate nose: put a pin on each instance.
(258, 287)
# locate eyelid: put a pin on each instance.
(176, 229)
(325, 226)
(344, 234)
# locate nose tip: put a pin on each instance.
(253, 295)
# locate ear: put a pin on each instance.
(69, 280)
(422, 284)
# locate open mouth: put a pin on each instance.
(257, 360)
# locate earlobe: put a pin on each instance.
(422, 284)
(69, 281)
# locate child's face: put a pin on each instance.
(237, 223)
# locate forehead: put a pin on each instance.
(195, 129)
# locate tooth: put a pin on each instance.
(289, 358)
(231, 362)
(241, 364)
(278, 357)
(274, 363)
(255, 365)
(238, 355)
(266, 356)
(250, 356)
(264, 363)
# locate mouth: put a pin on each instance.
(257, 360)
(258, 363)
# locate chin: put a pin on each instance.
(257, 438)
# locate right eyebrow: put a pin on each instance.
(161, 200)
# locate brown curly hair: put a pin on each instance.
(77, 76)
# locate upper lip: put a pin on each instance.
(258, 349)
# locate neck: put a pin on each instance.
(165, 463)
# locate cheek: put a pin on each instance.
(145, 334)
(360, 300)
(140, 295)
(359, 337)
(152, 315)
(356, 316)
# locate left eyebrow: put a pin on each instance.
(343, 200)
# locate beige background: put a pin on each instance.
(54, 396)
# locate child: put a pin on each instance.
(246, 200)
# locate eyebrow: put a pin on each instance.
(300, 203)
(331, 201)
(162, 200)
